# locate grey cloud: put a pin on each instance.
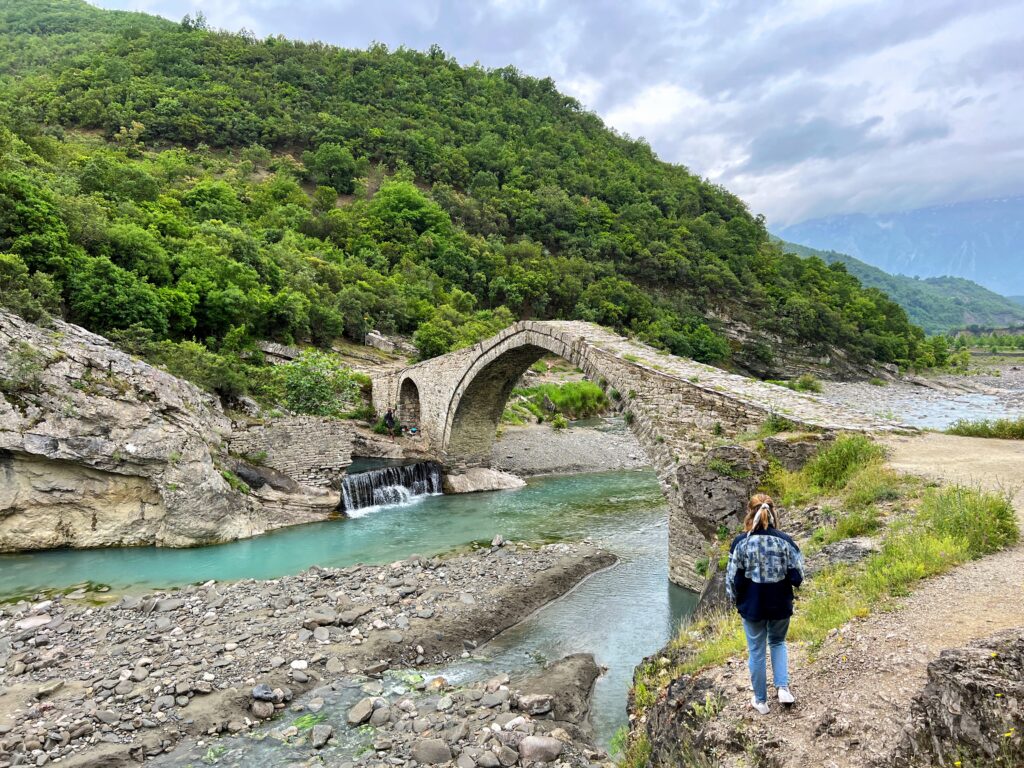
(817, 138)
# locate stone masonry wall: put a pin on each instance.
(311, 450)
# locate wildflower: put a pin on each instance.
(994, 654)
(957, 764)
(999, 695)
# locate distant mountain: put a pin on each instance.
(981, 240)
(1017, 299)
(937, 304)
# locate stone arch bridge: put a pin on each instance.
(682, 412)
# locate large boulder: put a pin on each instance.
(98, 448)
(477, 479)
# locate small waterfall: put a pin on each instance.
(389, 485)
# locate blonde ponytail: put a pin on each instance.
(760, 513)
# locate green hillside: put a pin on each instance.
(216, 188)
(937, 304)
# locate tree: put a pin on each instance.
(332, 165)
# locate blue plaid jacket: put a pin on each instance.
(763, 569)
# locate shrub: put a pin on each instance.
(35, 297)
(25, 368)
(857, 522)
(315, 383)
(559, 422)
(722, 467)
(805, 383)
(872, 484)
(983, 521)
(573, 399)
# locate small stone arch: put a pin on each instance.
(409, 403)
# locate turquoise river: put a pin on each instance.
(619, 615)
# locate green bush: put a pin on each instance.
(873, 483)
(35, 297)
(559, 422)
(315, 383)
(571, 399)
(805, 383)
(857, 522)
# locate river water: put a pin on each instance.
(620, 615)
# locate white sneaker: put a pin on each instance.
(760, 706)
(785, 697)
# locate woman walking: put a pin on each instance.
(764, 566)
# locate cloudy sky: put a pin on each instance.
(802, 108)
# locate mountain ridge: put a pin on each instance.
(981, 240)
(937, 304)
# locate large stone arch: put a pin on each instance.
(479, 398)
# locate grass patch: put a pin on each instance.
(804, 383)
(722, 467)
(571, 400)
(1006, 429)
(306, 722)
(236, 483)
(773, 425)
(833, 467)
(877, 382)
(857, 522)
(870, 485)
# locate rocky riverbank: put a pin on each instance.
(105, 685)
(542, 450)
(994, 389)
(412, 720)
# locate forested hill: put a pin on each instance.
(216, 187)
(937, 304)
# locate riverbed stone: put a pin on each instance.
(539, 749)
(535, 703)
(431, 752)
(361, 712)
(263, 710)
(320, 735)
(263, 692)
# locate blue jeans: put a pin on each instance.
(773, 635)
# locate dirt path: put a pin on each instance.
(853, 696)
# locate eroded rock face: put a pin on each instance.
(713, 493)
(100, 449)
(794, 450)
(972, 708)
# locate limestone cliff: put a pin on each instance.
(100, 449)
